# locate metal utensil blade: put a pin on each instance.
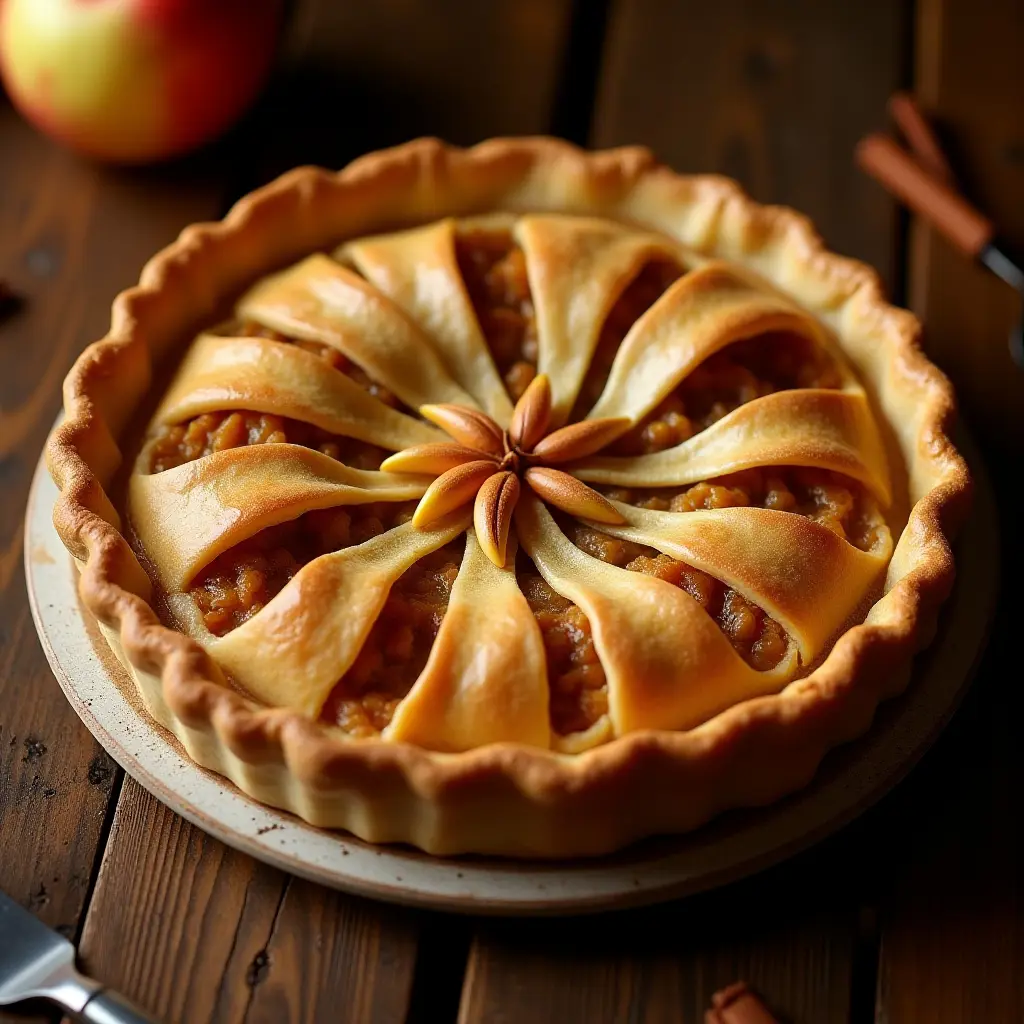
(36, 962)
(997, 260)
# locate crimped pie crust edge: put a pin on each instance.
(505, 798)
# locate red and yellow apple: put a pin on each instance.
(135, 81)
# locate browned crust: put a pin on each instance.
(637, 785)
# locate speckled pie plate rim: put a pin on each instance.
(737, 844)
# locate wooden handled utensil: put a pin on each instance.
(924, 181)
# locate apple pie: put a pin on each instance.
(513, 500)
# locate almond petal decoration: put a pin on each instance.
(495, 502)
(429, 458)
(468, 426)
(570, 495)
(579, 440)
(531, 415)
(452, 490)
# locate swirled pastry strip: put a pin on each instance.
(801, 573)
(293, 652)
(419, 272)
(320, 300)
(698, 315)
(577, 268)
(486, 678)
(185, 517)
(667, 663)
(813, 428)
(221, 373)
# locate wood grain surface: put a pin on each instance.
(71, 236)
(953, 928)
(922, 897)
(254, 944)
(774, 93)
(360, 76)
(970, 79)
(789, 933)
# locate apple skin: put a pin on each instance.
(135, 81)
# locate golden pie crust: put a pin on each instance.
(473, 758)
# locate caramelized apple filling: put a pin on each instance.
(831, 499)
(758, 639)
(493, 268)
(576, 681)
(210, 432)
(363, 702)
(738, 374)
(239, 582)
(641, 293)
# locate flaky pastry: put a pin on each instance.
(512, 500)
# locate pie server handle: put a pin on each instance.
(107, 1007)
(933, 199)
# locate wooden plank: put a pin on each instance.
(790, 934)
(954, 929)
(774, 93)
(970, 78)
(71, 236)
(195, 931)
(764, 93)
(953, 920)
(954, 924)
(360, 76)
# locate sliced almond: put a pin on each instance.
(468, 426)
(492, 515)
(531, 415)
(429, 458)
(452, 490)
(572, 495)
(579, 439)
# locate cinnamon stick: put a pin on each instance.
(906, 179)
(920, 137)
(738, 1004)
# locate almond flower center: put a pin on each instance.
(488, 466)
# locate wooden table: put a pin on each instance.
(914, 913)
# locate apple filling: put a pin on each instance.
(830, 499)
(758, 639)
(578, 690)
(239, 582)
(211, 432)
(738, 374)
(493, 268)
(363, 701)
(641, 293)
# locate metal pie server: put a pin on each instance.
(37, 963)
